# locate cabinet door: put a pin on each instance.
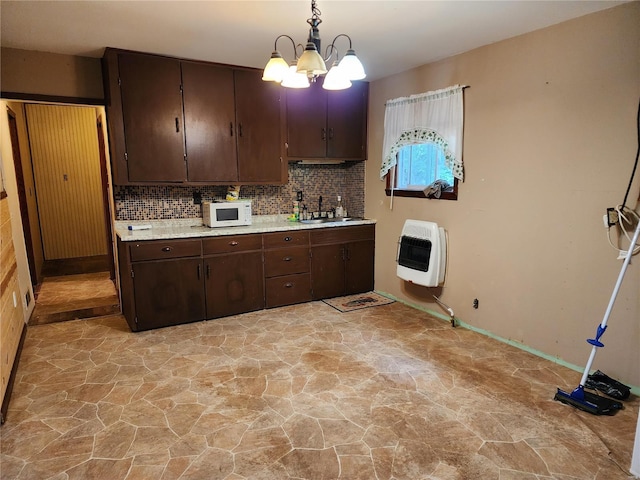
(152, 115)
(327, 271)
(307, 122)
(209, 117)
(234, 284)
(359, 265)
(347, 122)
(258, 129)
(168, 292)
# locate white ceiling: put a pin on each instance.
(388, 36)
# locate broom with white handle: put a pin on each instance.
(586, 401)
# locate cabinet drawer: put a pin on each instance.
(158, 250)
(236, 243)
(285, 261)
(325, 236)
(288, 289)
(286, 239)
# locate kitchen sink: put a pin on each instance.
(331, 220)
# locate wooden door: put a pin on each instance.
(153, 121)
(347, 122)
(168, 292)
(209, 117)
(234, 283)
(66, 168)
(258, 129)
(359, 267)
(327, 271)
(307, 122)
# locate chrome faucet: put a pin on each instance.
(320, 206)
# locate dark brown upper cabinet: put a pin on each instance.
(152, 117)
(259, 114)
(209, 113)
(179, 121)
(323, 124)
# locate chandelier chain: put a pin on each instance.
(315, 11)
(315, 19)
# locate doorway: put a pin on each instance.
(63, 167)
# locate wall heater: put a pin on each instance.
(422, 253)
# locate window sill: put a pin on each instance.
(446, 195)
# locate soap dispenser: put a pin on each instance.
(339, 208)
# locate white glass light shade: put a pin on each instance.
(293, 79)
(351, 66)
(310, 62)
(275, 69)
(335, 79)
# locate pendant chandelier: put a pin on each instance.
(310, 65)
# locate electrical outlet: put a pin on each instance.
(299, 196)
(197, 198)
(611, 217)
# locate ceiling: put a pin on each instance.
(388, 36)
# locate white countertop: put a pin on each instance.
(194, 228)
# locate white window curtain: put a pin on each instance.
(426, 117)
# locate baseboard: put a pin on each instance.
(12, 377)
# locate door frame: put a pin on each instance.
(104, 172)
(106, 196)
(22, 194)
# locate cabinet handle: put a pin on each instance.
(288, 285)
(240, 129)
(287, 259)
(287, 239)
(177, 125)
(330, 133)
(231, 128)
(167, 249)
(324, 134)
(198, 271)
(233, 243)
(208, 271)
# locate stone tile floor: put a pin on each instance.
(300, 392)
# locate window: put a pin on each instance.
(419, 166)
(422, 144)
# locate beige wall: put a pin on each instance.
(550, 140)
(42, 73)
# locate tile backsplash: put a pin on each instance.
(173, 202)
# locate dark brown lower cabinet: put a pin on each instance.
(176, 281)
(168, 292)
(342, 261)
(286, 268)
(359, 267)
(288, 289)
(234, 283)
(328, 271)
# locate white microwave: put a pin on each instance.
(226, 213)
